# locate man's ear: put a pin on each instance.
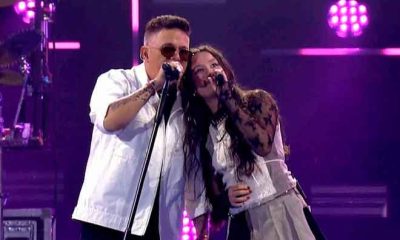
(144, 55)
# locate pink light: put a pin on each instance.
(52, 7)
(30, 4)
(26, 19)
(135, 16)
(30, 14)
(333, 52)
(343, 27)
(390, 51)
(349, 14)
(185, 237)
(362, 9)
(135, 29)
(353, 3)
(20, 7)
(65, 45)
(328, 51)
(356, 27)
(188, 230)
(333, 9)
(363, 19)
(334, 20)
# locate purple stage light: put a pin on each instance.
(188, 229)
(20, 7)
(27, 8)
(30, 4)
(348, 18)
(65, 45)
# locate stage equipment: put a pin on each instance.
(24, 62)
(348, 18)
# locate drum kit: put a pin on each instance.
(15, 70)
(23, 63)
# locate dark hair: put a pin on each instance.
(166, 22)
(198, 118)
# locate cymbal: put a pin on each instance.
(18, 45)
(5, 3)
(10, 77)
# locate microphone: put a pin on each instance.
(170, 72)
(219, 79)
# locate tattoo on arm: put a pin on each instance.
(141, 95)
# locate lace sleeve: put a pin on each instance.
(255, 113)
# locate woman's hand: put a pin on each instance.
(238, 194)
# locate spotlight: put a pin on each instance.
(27, 8)
(20, 7)
(348, 18)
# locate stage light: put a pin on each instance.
(20, 7)
(30, 4)
(348, 18)
(188, 229)
(27, 8)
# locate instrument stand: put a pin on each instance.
(25, 70)
(11, 140)
(170, 75)
(1, 195)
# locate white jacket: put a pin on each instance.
(116, 159)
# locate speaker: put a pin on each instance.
(29, 224)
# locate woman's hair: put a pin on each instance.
(198, 118)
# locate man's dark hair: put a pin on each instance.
(166, 22)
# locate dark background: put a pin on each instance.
(340, 114)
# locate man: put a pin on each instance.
(122, 109)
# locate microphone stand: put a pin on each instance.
(169, 76)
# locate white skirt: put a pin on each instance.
(279, 219)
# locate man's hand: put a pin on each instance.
(160, 78)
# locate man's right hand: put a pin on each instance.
(160, 78)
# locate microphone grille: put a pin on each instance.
(219, 79)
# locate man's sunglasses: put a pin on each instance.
(168, 51)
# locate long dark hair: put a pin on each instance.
(198, 118)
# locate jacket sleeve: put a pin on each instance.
(255, 113)
(109, 87)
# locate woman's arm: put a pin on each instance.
(255, 113)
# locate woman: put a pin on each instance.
(236, 134)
